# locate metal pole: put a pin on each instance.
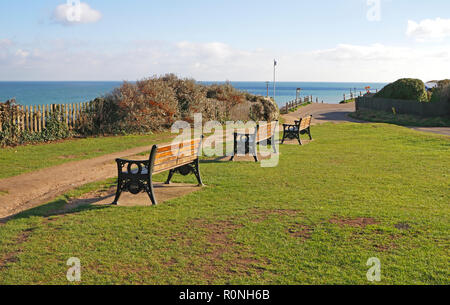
(267, 85)
(274, 67)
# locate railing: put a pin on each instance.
(292, 105)
(33, 118)
(353, 95)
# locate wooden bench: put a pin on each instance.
(293, 131)
(135, 176)
(250, 140)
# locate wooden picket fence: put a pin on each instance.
(33, 118)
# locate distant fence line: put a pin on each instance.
(33, 118)
(295, 103)
(403, 107)
(353, 95)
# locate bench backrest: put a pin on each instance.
(174, 155)
(266, 131)
(305, 122)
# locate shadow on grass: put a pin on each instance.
(58, 207)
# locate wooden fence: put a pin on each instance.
(33, 118)
(295, 103)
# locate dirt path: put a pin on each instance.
(35, 188)
(338, 113)
(323, 113)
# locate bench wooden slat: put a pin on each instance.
(166, 148)
(163, 155)
(166, 159)
(305, 123)
(187, 151)
(188, 159)
(165, 166)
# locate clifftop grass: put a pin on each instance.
(361, 200)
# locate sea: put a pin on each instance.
(41, 93)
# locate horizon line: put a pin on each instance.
(221, 81)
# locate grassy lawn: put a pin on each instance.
(22, 159)
(358, 191)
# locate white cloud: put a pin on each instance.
(5, 43)
(64, 60)
(79, 13)
(374, 52)
(429, 29)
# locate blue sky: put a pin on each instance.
(320, 40)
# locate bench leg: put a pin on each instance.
(298, 138)
(171, 172)
(197, 173)
(284, 137)
(234, 148)
(151, 192)
(309, 133)
(118, 191)
(272, 142)
(116, 199)
(253, 150)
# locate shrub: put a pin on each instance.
(155, 103)
(405, 89)
(441, 92)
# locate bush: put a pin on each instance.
(154, 104)
(441, 92)
(405, 89)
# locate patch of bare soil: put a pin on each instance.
(300, 231)
(360, 222)
(402, 226)
(222, 246)
(386, 247)
(64, 157)
(12, 257)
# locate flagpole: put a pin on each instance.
(274, 67)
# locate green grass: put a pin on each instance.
(254, 225)
(22, 159)
(348, 101)
(401, 119)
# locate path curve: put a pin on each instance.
(32, 189)
(323, 113)
(338, 113)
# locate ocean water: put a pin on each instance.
(40, 93)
